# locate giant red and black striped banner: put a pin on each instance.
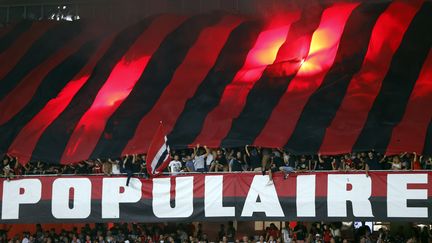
(333, 78)
(322, 196)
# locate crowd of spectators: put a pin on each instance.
(187, 232)
(248, 158)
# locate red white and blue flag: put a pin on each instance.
(158, 152)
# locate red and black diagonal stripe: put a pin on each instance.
(154, 80)
(329, 78)
(55, 137)
(390, 104)
(325, 101)
(209, 92)
(7, 38)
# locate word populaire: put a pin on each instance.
(245, 197)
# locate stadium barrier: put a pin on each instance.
(313, 196)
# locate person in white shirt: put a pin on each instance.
(336, 232)
(199, 159)
(175, 165)
(115, 170)
(209, 159)
(286, 233)
(26, 238)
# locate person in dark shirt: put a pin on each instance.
(254, 156)
(425, 235)
(199, 231)
(231, 232)
(142, 165)
(372, 163)
(301, 232)
(314, 163)
(221, 232)
(426, 162)
(237, 163)
(27, 169)
(276, 164)
(384, 161)
(128, 167)
(220, 162)
(82, 168)
(358, 161)
(276, 158)
(303, 164)
(136, 164)
(68, 169)
(265, 159)
(324, 162)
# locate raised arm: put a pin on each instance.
(333, 164)
(16, 162)
(125, 159)
(383, 159)
(195, 150)
(231, 154)
(319, 158)
(87, 162)
(247, 150)
(207, 150)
